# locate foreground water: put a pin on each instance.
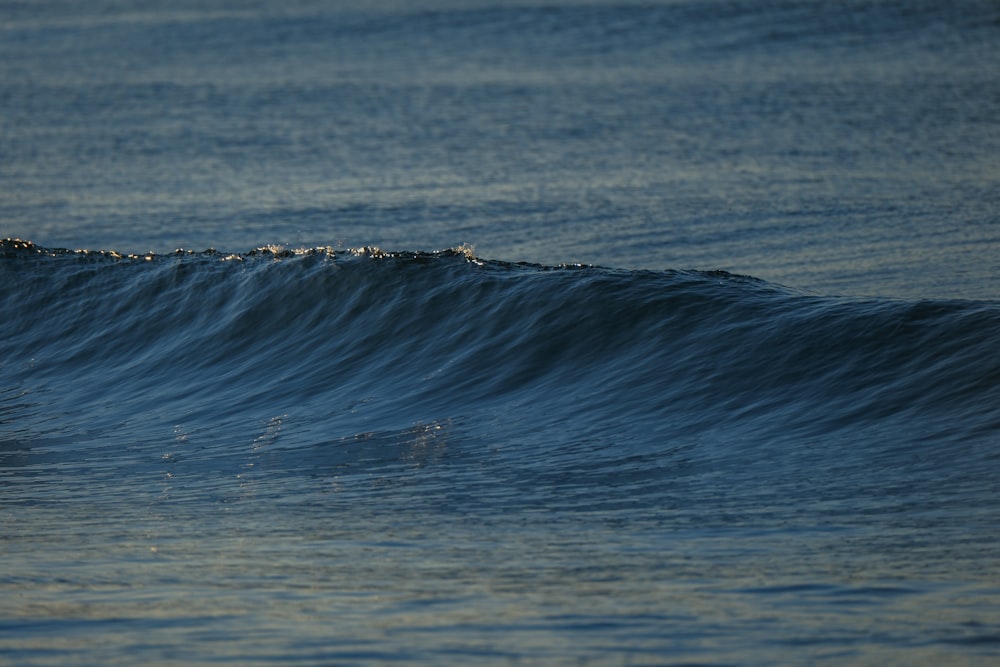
(324, 456)
(767, 433)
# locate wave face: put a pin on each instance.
(563, 353)
(464, 396)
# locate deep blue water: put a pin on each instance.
(715, 380)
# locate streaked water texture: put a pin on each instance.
(365, 456)
(502, 332)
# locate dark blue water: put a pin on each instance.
(329, 456)
(716, 381)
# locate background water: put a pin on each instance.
(842, 147)
(307, 454)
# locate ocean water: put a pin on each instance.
(562, 333)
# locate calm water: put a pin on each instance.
(768, 432)
(847, 148)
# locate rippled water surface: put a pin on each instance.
(551, 333)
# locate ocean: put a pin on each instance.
(575, 332)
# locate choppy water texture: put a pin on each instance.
(718, 384)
